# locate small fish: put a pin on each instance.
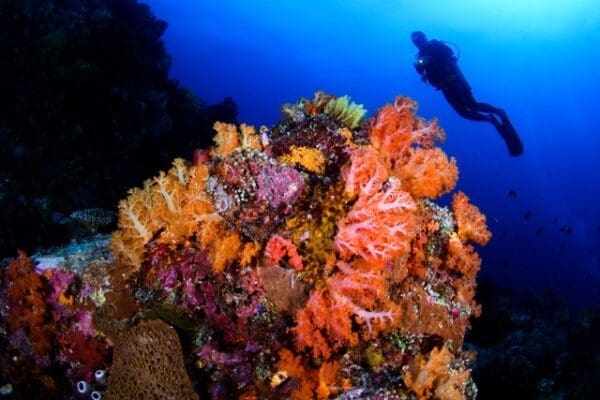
(527, 215)
(566, 229)
(539, 231)
(512, 193)
(6, 390)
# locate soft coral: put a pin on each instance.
(354, 295)
(378, 227)
(28, 309)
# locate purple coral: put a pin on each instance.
(254, 190)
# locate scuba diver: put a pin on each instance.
(437, 65)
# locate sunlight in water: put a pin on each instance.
(539, 18)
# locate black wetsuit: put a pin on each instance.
(437, 65)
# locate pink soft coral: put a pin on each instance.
(365, 174)
(378, 227)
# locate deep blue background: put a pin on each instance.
(539, 60)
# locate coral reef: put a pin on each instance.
(304, 261)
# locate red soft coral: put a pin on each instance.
(84, 354)
(470, 221)
(378, 227)
(427, 173)
(28, 309)
(279, 248)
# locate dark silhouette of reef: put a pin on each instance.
(531, 347)
(86, 111)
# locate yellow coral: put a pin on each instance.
(309, 158)
(250, 251)
(349, 113)
(314, 237)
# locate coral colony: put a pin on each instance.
(306, 261)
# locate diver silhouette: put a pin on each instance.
(437, 65)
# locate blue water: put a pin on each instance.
(539, 60)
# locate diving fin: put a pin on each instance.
(511, 138)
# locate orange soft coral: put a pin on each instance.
(391, 129)
(432, 377)
(311, 319)
(173, 206)
(313, 383)
(228, 138)
(396, 128)
(470, 221)
(462, 257)
(355, 295)
(427, 173)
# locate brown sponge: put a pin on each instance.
(148, 364)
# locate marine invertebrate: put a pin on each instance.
(254, 190)
(82, 354)
(311, 159)
(427, 173)
(314, 383)
(148, 363)
(432, 377)
(29, 310)
(396, 128)
(356, 294)
(345, 111)
(277, 248)
(470, 221)
(378, 227)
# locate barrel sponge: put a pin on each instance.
(148, 364)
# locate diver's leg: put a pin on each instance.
(460, 101)
(485, 107)
(508, 134)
